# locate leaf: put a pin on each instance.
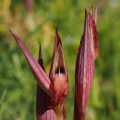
(41, 77)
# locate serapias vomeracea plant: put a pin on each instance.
(52, 91)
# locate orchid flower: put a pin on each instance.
(57, 85)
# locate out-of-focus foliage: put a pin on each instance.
(17, 84)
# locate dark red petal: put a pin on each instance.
(40, 75)
(43, 99)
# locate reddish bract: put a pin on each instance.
(41, 77)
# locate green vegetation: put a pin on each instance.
(17, 84)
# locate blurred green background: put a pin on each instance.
(35, 21)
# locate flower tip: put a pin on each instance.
(57, 39)
(85, 11)
(56, 31)
(17, 39)
(11, 32)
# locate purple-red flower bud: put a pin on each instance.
(84, 72)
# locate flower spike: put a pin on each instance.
(84, 72)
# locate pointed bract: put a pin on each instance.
(40, 59)
(41, 77)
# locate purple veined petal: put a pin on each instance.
(41, 77)
(84, 71)
(43, 99)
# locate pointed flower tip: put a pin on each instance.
(85, 13)
(56, 43)
(40, 59)
(12, 33)
(58, 39)
(56, 31)
(40, 51)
